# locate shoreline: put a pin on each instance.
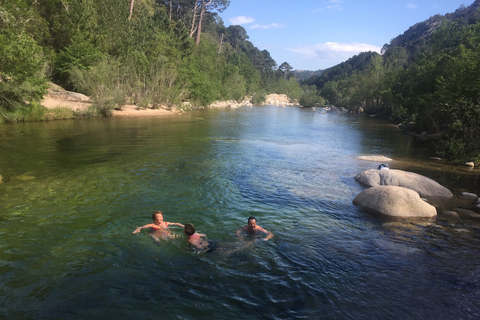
(59, 97)
(80, 102)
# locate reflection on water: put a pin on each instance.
(75, 190)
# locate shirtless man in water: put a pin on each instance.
(253, 229)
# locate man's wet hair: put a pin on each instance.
(251, 218)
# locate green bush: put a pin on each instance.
(104, 82)
(259, 97)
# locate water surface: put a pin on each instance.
(75, 190)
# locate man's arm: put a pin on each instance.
(269, 234)
(240, 230)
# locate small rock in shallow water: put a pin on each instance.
(469, 196)
(450, 214)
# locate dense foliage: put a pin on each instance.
(165, 53)
(151, 53)
(428, 79)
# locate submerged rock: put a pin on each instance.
(425, 187)
(469, 214)
(24, 177)
(395, 202)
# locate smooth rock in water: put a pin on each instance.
(425, 187)
(451, 214)
(469, 214)
(469, 196)
(396, 202)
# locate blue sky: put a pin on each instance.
(318, 34)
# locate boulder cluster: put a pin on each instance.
(399, 194)
(281, 100)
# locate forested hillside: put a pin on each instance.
(157, 53)
(150, 53)
(427, 78)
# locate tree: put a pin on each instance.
(236, 35)
(286, 69)
(208, 5)
(21, 64)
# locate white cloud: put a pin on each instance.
(332, 53)
(241, 20)
(330, 5)
(411, 6)
(335, 5)
(267, 26)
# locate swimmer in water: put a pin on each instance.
(159, 228)
(198, 240)
(252, 229)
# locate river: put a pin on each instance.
(75, 190)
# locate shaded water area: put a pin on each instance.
(74, 191)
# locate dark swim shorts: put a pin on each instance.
(212, 245)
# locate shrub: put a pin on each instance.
(104, 82)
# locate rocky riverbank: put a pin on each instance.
(274, 99)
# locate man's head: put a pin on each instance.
(252, 222)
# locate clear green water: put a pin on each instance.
(74, 191)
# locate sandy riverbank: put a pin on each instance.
(58, 97)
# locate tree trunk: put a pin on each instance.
(131, 9)
(192, 28)
(199, 28)
(221, 43)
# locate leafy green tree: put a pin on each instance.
(236, 35)
(310, 97)
(21, 64)
(286, 70)
(208, 5)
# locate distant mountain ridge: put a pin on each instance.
(418, 37)
(356, 63)
(415, 40)
(301, 75)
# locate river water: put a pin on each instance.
(75, 190)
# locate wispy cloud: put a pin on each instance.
(267, 26)
(335, 5)
(241, 20)
(411, 6)
(332, 53)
